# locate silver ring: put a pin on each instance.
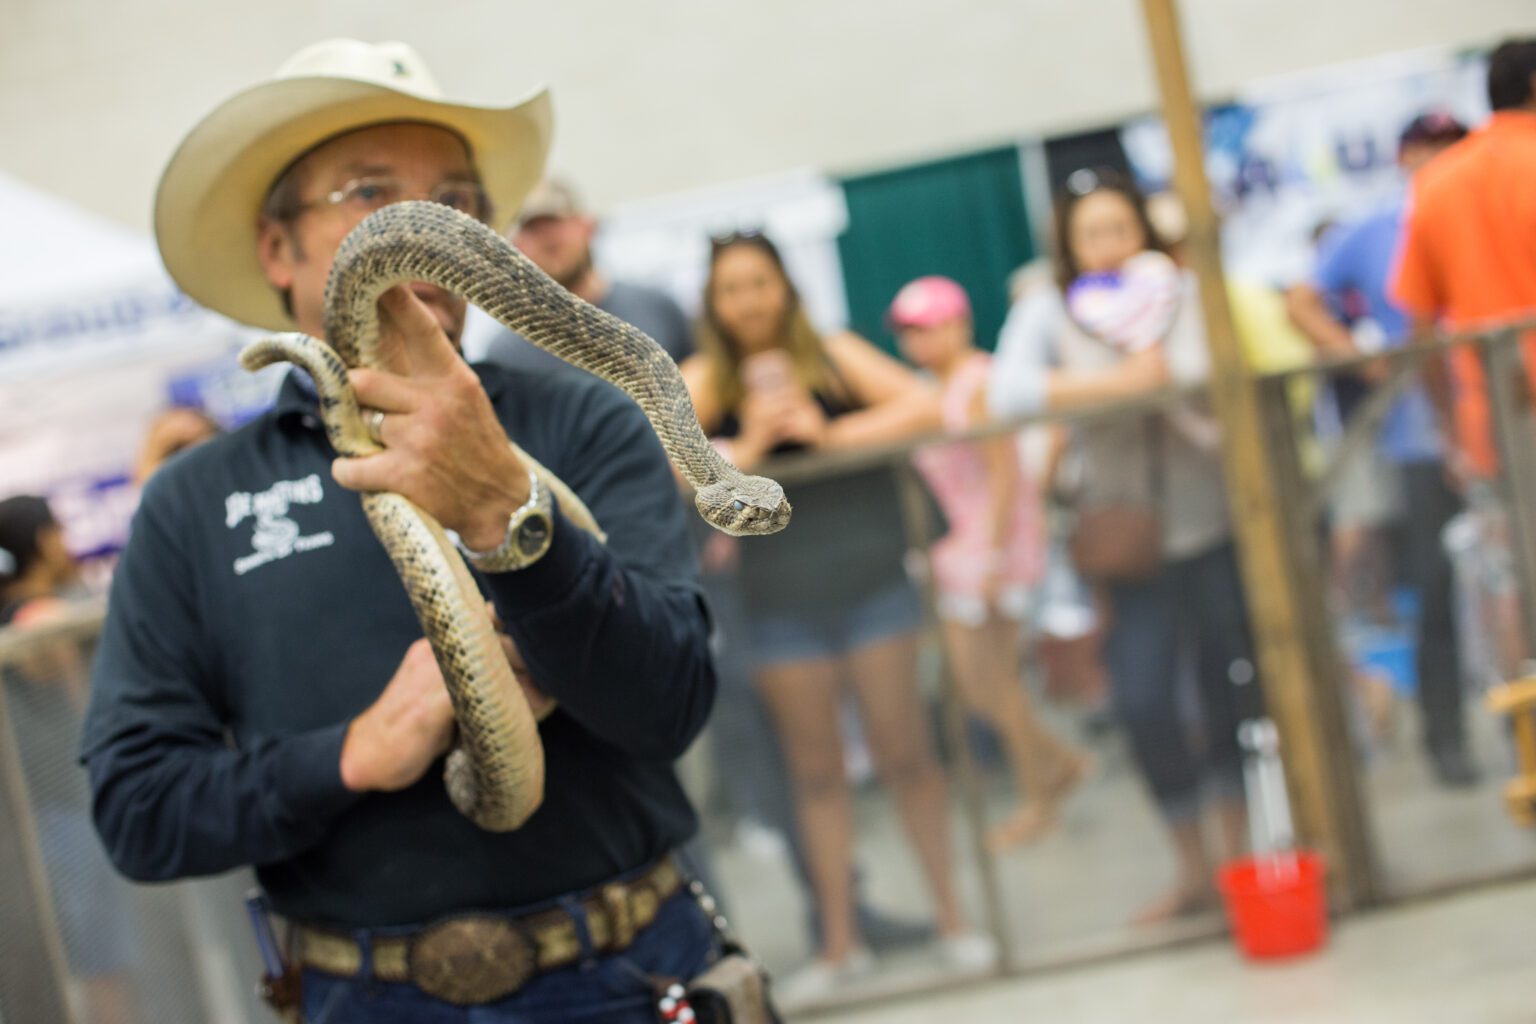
(376, 427)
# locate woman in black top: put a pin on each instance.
(828, 600)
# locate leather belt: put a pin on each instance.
(474, 958)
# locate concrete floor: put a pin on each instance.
(1465, 959)
(1069, 898)
(1428, 836)
(1065, 903)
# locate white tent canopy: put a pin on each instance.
(78, 294)
(92, 332)
(53, 246)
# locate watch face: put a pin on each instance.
(532, 535)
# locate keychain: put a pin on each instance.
(673, 1005)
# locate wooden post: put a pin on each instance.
(1512, 434)
(1298, 659)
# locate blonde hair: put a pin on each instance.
(797, 336)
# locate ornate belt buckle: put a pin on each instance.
(471, 960)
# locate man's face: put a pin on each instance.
(296, 253)
(559, 246)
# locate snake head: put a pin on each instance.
(746, 507)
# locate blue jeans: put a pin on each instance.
(1190, 617)
(1432, 504)
(618, 989)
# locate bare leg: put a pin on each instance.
(1046, 770)
(1192, 893)
(802, 697)
(884, 680)
(1347, 544)
(1232, 812)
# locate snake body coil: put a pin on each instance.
(495, 775)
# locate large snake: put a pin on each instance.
(495, 774)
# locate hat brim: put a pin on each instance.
(209, 200)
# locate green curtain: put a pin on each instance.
(963, 217)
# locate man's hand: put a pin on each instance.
(393, 743)
(540, 702)
(445, 449)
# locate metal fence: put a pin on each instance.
(77, 943)
(1421, 837)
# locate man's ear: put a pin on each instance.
(278, 251)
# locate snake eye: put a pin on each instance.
(738, 504)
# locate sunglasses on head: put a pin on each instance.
(718, 242)
(1086, 180)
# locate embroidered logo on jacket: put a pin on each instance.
(276, 536)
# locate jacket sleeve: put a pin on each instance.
(171, 797)
(619, 634)
(1021, 366)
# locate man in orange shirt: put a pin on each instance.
(1469, 249)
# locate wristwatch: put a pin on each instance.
(529, 531)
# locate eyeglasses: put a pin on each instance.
(363, 196)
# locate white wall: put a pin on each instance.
(655, 96)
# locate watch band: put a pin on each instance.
(529, 531)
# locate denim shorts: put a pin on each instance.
(780, 638)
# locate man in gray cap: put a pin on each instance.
(555, 232)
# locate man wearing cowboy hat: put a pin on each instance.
(261, 695)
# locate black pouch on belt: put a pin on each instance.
(735, 989)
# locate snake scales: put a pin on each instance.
(495, 774)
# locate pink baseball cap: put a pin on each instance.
(927, 301)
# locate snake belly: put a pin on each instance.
(495, 773)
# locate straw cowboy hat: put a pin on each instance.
(210, 196)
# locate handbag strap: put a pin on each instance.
(1157, 459)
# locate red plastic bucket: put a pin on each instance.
(1276, 904)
